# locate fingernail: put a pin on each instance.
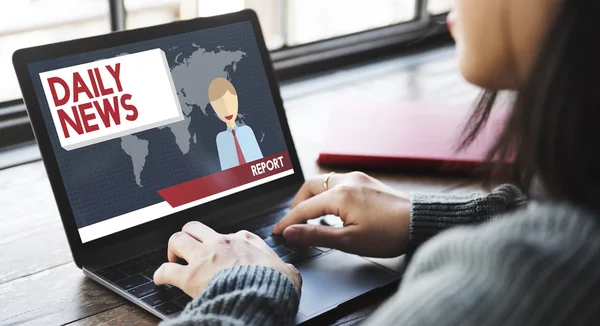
(292, 233)
(156, 273)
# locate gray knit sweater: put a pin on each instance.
(534, 265)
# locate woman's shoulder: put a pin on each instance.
(244, 128)
(536, 218)
(222, 135)
(535, 266)
(543, 231)
(549, 218)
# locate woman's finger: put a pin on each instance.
(317, 206)
(182, 245)
(170, 273)
(199, 231)
(318, 235)
(306, 191)
(314, 186)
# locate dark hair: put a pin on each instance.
(553, 133)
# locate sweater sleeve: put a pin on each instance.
(243, 295)
(433, 213)
(537, 266)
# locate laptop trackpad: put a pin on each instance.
(336, 278)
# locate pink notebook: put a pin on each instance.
(405, 135)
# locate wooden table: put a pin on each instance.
(40, 285)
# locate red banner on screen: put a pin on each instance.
(215, 183)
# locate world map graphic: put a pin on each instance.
(125, 174)
(191, 75)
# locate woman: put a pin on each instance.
(538, 264)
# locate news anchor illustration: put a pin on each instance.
(236, 145)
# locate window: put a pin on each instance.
(285, 23)
(436, 7)
(33, 22)
(288, 23)
(336, 17)
(300, 33)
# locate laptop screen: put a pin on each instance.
(144, 130)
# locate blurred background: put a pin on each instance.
(287, 24)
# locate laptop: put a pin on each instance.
(143, 130)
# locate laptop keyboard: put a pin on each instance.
(135, 275)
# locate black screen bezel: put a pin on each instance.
(23, 57)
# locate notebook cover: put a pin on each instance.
(405, 135)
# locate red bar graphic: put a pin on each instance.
(215, 183)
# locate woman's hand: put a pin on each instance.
(376, 218)
(208, 252)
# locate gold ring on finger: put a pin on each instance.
(326, 181)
